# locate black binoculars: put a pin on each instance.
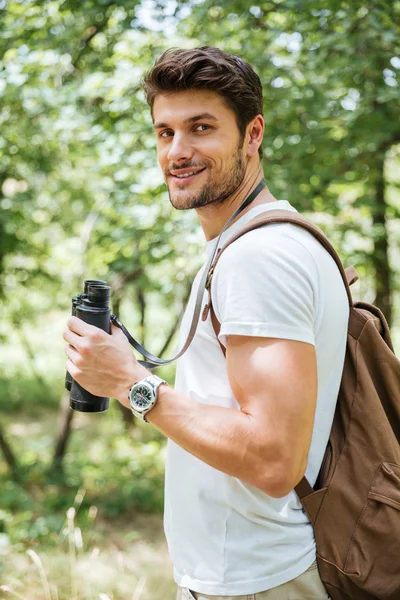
(92, 307)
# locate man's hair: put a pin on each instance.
(208, 68)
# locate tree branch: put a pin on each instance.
(88, 35)
(67, 414)
(9, 456)
(176, 323)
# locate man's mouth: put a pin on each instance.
(185, 174)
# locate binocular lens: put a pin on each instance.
(99, 295)
(93, 282)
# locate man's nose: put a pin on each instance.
(180, 149)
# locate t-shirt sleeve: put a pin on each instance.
(266, 285)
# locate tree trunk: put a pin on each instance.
(177, 322)
(9, 456)
(25, 343)
(380, 258)
(67, 415)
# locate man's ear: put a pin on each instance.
(254, 135)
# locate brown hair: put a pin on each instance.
(210, 69)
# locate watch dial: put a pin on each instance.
(142, 397)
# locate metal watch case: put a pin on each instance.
(143, 395)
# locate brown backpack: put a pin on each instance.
(355, 504)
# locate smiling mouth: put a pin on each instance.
(187, 176)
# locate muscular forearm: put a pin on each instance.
(227, 439)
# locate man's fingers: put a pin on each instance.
(69, 365)
(81, 335)
(83, 329)
(115, 330)
(72, 338)
(73, 355)
(80, 327)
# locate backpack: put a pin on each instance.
(354, 506)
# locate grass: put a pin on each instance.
(94, 530)
(123, 559)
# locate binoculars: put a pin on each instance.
(92, 307)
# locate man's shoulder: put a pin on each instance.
(283, 241)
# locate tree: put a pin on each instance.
(9, 456)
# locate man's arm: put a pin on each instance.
(265, 444)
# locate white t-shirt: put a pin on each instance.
(225, 536)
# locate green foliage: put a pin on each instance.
(331, 93)
(27, 394)
(79, 193)
(104, 467)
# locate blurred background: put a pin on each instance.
(81, 196)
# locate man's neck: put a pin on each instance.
(213, 218)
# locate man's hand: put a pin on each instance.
(103, 364)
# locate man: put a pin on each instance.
(243, 430)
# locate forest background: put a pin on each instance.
(81, 196)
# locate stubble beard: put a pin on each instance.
(215, 192)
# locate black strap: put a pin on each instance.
(136, 345)
(154, 361)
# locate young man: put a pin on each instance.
(243, 430)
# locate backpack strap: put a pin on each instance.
(349, 276)
(273, 217)
(352, 277)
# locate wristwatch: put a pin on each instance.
(143, 395)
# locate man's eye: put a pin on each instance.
(165, 134)
(205, 127)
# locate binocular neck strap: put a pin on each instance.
(154, 361)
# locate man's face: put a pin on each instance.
(199, 147)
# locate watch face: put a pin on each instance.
(142, 397)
